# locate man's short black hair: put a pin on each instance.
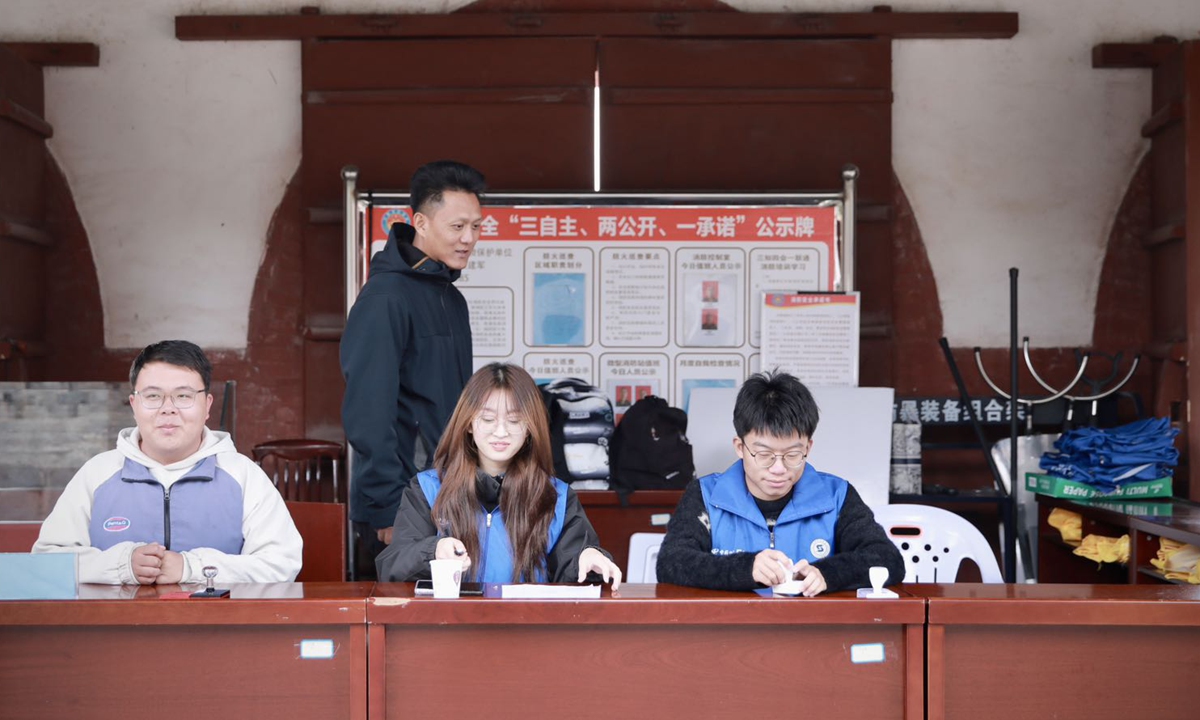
(180, 353)
(432, 179)
(777, 404)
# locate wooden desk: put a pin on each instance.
(1101, 652)
(119, 652)
(657, 651)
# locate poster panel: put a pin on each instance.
(635, 299)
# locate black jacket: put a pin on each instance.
(415, 536)
(406, 355)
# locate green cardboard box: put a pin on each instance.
(1063, 488)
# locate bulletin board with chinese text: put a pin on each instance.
(636, 299)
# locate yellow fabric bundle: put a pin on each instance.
(1178, 561)
(1069, 524)
(1104, 549)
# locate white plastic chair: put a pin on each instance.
(1029, 452)
(643, 557)
(934, 542)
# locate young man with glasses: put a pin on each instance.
(771, 516)
(174, 496)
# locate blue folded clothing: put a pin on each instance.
(1107, 459)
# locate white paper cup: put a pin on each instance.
(447, 577)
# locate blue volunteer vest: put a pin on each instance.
(496, 565)
(202, 509)
(805, 529)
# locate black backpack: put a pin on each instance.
(650, 449)
(581, 424)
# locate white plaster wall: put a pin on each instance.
(1013, 153)
(1016, 153)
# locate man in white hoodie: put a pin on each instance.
(174, 496)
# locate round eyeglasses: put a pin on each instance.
(489, 424)
(154, 399)
(766, 460)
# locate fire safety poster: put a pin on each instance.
(637, 300)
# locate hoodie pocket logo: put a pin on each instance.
(116, 524)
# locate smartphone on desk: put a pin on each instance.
(425, 588)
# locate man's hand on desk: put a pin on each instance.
(172, 568)
(152, 563)
(813, 582)
(146, 562)
(770, 567)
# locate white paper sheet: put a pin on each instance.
(710, 428)
(854, 438)
(531, 591)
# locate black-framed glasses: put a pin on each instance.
(791, 460)
(153, 399)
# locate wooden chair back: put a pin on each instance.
(323, 527)
(305, 470)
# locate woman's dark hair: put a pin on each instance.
(528, 497)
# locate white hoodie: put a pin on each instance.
(271, 549)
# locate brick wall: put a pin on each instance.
(47, 431)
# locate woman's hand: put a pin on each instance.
(452, 548)
(592, 560)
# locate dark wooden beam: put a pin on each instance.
(324, 327)
(1167, 233)
(874, 213)
(924, 25)
(747, 96)
(1191, 253)
(1165, 117)
(24, 233)
(456, 96)
(14, 348)
(56, 54)
(25, 117)
(1133, 55)
(325, 215)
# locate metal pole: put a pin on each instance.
(350, 230)
(1010, 529)
(850, 195)
(352, 253)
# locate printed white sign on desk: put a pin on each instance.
(532, 591)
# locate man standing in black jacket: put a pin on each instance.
(406, 351)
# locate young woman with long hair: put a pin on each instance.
(491, 498)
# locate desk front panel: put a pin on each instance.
(656, 651)
(1101, 652)
(123, 651)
